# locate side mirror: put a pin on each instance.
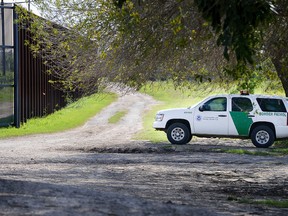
(204, 107)
(201, 108)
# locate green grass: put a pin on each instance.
(6, 94)
(267, 202)
(273, 203)
(117, 117)
(257, 152)
(248, 152)
(73, 115)
(242, 152)
(281, 151)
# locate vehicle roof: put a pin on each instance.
(250, 95)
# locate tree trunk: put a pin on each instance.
(282, 72)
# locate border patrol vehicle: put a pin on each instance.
(261, 118)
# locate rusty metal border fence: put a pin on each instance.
(34, 95)
(37, 96)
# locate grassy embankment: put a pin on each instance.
(75, 114)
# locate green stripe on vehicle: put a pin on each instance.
(241, 122)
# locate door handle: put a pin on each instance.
(222, 115)
(251, 116)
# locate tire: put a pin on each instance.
(178, 133)
(190, 138)
(262, 136)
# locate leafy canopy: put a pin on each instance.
(236, 21)
(133, 41)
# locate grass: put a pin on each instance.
(273, 203)
(242, 152)
(281, 149)
(6, 94)
(267, 202)
(73, 115)
(117, 117)
(257, 152)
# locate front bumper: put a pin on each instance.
(159, 125)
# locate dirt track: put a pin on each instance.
(98, 170)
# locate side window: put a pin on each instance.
(215, 104)
(241, 104)
(271, 105)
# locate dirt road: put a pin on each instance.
(98, 170)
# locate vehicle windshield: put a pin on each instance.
(190, 107)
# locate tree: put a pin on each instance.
(130, 43)
(133, 41)
(68, 43)
(164, 39)
(236, 23)
(242, 28)
(246, 29)
(275, 42)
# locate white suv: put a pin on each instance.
(259, 117)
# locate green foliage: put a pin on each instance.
(75, 114)
(136, 41)
(162, 42)
(276, 42)
(69, 49)
(237, 23)
(247, 78)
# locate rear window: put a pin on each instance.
(271, 105)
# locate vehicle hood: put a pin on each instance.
(179, 112)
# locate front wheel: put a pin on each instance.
(178, 133)
(262, 136)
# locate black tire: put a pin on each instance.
(262, 136)
(190, 138)
(178, 133)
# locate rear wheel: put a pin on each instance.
(262, 136)
(178, 133)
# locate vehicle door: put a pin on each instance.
(273, 110)
(241, 116)
(211, 117)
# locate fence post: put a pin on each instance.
(16, 70)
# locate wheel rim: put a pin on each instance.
(262, 137)
(177, 134)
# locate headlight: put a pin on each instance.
(159, 117)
